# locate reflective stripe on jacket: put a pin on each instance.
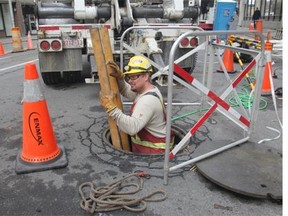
(145, 138)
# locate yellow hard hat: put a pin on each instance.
(138, 64)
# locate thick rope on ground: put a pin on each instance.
(118, 195)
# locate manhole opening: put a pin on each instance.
(179, 134)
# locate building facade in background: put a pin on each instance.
(23, 13)
(271, 12)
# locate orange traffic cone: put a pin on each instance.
(2, 52)
(228, 60)
(266, 84)
(29, 42)
(259, 27)
(251, 26)
(39, 151)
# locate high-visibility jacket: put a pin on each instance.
(146, 143)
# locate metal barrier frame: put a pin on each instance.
(258, 61)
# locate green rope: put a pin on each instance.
(188, 114)
(246, 101)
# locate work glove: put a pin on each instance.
(106, 101)
(117, 73)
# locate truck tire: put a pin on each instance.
(51, 78)
(72, 76)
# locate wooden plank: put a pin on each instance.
(103, 53)
(112, 80)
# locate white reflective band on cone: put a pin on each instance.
(32, 91)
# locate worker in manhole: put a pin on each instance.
(146, 123)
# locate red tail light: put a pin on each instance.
(193, 42)
(184, 42)
(45, 45)
(189, 43)
(50, 45)
(56, 45)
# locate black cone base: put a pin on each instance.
(22, 167)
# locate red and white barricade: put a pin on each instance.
(244, 121)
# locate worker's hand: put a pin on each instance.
(106, 101)
(117, 73)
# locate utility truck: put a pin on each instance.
(64, 36)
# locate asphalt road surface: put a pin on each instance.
(79, 125)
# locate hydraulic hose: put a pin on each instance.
(60, 10)
(52, 11)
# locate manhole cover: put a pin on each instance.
(249, 169)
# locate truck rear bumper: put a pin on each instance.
(67, 60)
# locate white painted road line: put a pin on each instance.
(18, 65)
